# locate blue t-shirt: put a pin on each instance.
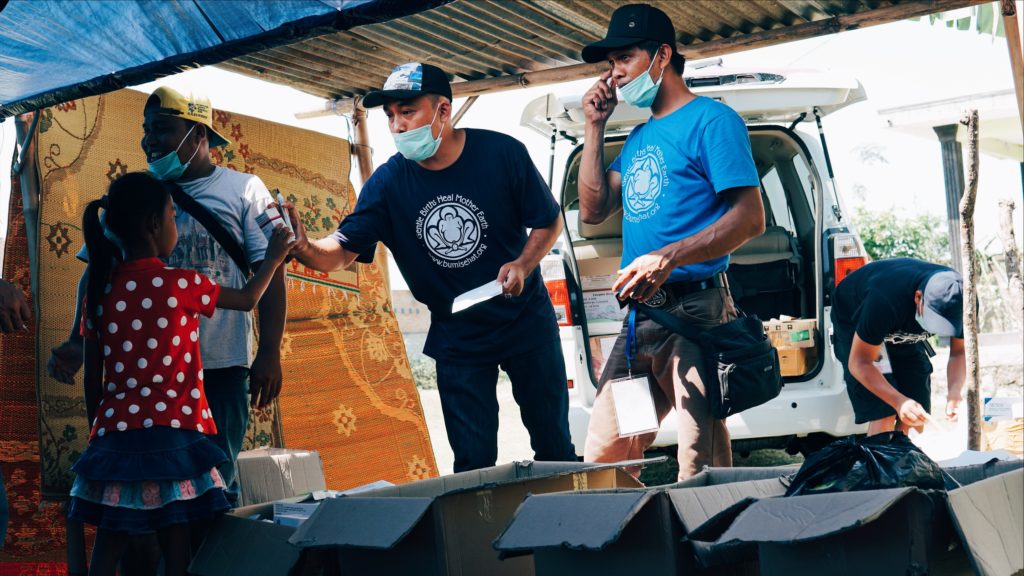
(452, 230)
(675, 169)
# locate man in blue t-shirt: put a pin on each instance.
(882, 315)
(686, 183)
(454, 206)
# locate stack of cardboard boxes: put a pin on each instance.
(796, 341)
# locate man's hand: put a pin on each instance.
(952, 407)
(512, 277)
(911, 413)
(642, 278)
(15, 313)
(599, 102)
(265, 379)
(65, 361)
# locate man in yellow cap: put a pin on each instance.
(178, 134)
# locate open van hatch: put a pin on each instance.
(758, 96)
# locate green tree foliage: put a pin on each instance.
(886, 234)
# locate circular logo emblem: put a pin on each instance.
(451, 231)
(644, 180)
(658, 299)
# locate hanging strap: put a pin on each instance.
(213, 226)
(673, 323)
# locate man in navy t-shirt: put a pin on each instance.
(454, 206)
(882, 315)
(688, 188)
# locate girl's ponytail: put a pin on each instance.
(101, 254)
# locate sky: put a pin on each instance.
(898, 64)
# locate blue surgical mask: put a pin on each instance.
(419, 144)
(169, 168)
(641, 91)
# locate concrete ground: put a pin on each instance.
(1002, 374)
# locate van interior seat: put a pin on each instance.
(766, 275)
(610, 228)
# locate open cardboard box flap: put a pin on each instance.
(378, 523)
(989, 516)
(577, 521)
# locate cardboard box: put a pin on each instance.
(797, 361)
(791, 333)
(598, 273)
(989, 516)
(892, 531)
(270, 474)
(637, 531)
(443, 525)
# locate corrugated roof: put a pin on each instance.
(489, 39)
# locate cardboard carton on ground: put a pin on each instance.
(443, 526)
(890, 531)
(246, 541)
(269, 474)
(637, 531)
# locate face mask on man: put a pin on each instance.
(419, 144)
(169, 167)
(641, 91)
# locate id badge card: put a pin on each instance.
(883, 363)
(634, 405)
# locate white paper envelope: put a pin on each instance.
(476, 296)
(634, 406)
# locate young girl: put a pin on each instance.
(149, 466)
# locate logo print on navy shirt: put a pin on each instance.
(451, 226)
(644, 181)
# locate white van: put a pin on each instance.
(808, 246)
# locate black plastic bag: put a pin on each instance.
(888, 460)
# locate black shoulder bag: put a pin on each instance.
(213, 226)
(738, 353)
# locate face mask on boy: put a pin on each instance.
(169, 167)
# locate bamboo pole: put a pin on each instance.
(1013, 44)
(1011, 262)
(361, 139)
(970, 274)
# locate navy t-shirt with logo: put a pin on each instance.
(877, 300)
(452, 230)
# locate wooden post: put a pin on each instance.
(361, 139)
(1013, 44)
(970, 284)
(1011, 260)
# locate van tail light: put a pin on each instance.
(848, 255)
(558, 291)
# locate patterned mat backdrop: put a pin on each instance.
(348, 388)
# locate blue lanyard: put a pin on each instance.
(631, 339)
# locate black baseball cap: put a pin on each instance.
(943, 299)
(410, 80)
(632, 24)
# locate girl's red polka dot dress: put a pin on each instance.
(148, 331)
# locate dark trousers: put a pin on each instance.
(227, 392)
(470, 405)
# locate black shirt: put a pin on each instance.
(877, 300)
(450, 231)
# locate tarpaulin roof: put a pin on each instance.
(52, 51)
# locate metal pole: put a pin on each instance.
(953, 173)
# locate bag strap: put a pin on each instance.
(673, 323)
(213, 226)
